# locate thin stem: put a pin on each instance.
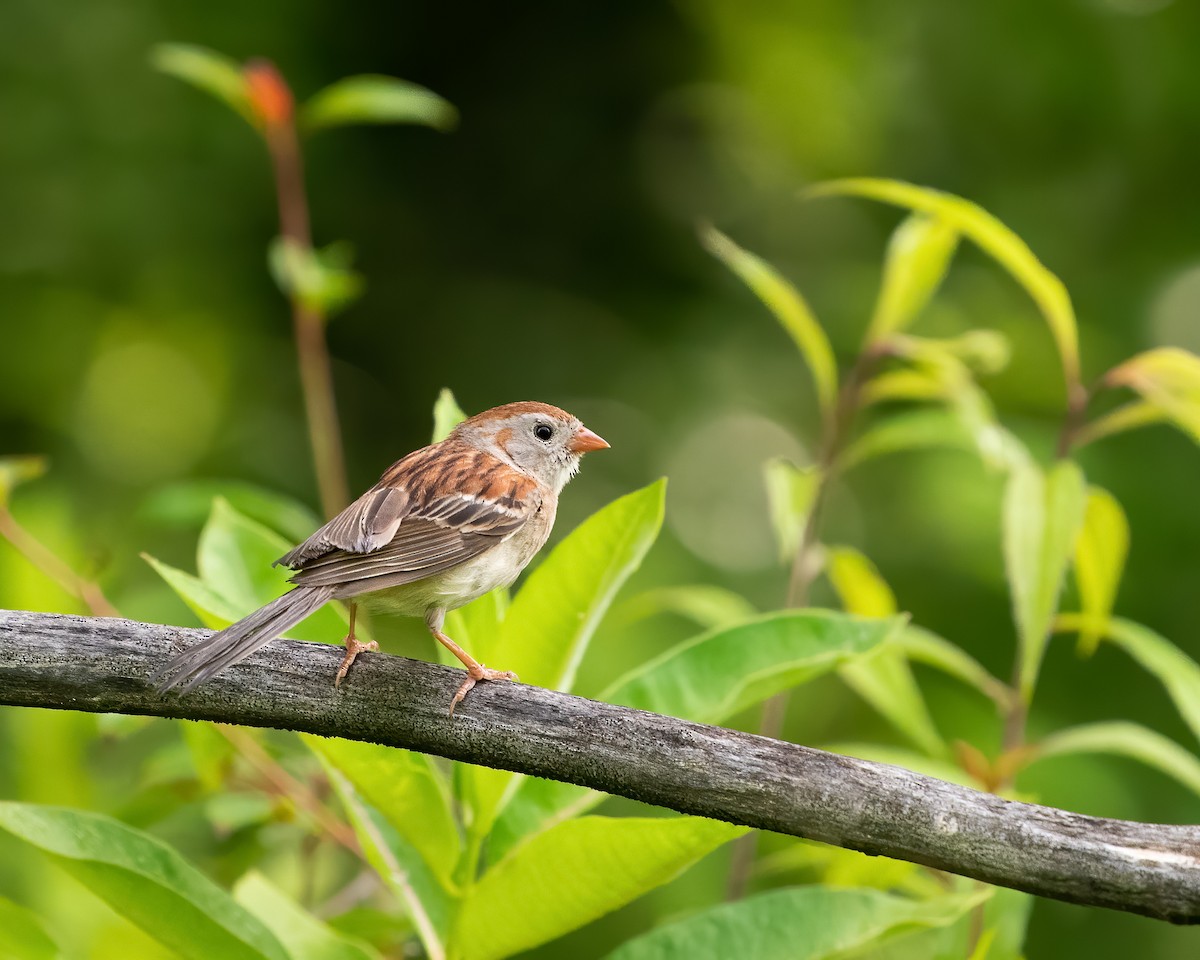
(47, 562)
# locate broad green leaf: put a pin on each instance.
(303, 935)
(207, 70)
(551, 621)
(22, 936)
(903, 385)
(407, 789)
(1100, 552)
(881, 677)
(213, 610)
(401, 868)
(708, 605)
(918, 256)
(921, 429)
(922, 646)
(17, 470)
(997, 240)
(1168, 378)
(801, 923)
(1173, 668)
(1042, 516)
(716, 674)
(537, 805)
(791, 492)
(789, 308)
(1125, 739)
(372, 98)
(1139, 413)
(447, 415)
(574, 873)
(320, 279)
(188, 503)
(145, 881)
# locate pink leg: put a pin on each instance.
(353, 648)
(475, 671)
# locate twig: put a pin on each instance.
(103, 665)
(45, 560)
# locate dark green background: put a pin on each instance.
(545, 250)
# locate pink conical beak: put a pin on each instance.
(584, 440)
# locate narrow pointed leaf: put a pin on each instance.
(373, 98)
(1169, 379)
(922, 429)
(997, 240)
(22, 935)
(707, 605)
(918, 256)
(1100, 552)
(789, 307)
(922, 646)
(17, 470)
(145, 881)
(802, 923)
(1127, 740)
(207, 70)
(1173, 668)
(447, 415)
(791, 493)
(575, 873)
(214, 611)
(303, 935)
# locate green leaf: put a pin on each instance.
(791, 493)
(1168, 378)
(708, 605)
(207, 70)
(922, 646)
(188, 503)
(917, 259)
(789, 308)
(1100, 551)
(573, 874)
(921, 429)
(303, 935)
(1173, 668)
(398, 864)
(837, 867)
(537, 805)
(407, 789)
(22, 936)
(145, 881)
(1121, 738)
(320, 279)
(373, 98)
(17, 470)
(547, 629)
(447, 415)
(997, 240)
(1042, 516)
(214, 611)
(716, 674)
(882, 677)
(802, 923)
(1139, 413)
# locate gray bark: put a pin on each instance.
(101, 665)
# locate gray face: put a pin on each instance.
(540, 445)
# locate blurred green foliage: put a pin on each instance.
(545, 249)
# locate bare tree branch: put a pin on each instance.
(101, 665)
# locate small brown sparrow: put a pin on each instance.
(443, 526)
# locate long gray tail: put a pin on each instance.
(237, 641)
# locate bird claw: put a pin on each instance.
(353, 649)
(474, 675)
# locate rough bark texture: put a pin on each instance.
(101, 665)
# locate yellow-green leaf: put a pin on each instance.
(1121, 738)
(791, 492)
(303, 935)
(1139, 413)
(918, 256)
(447, 415)
(16, 470)
(789, 308)
(1173, 668)
(373, 98)
(921, 429)
(1169, 378)
(1100, 552)
(22, 935)
(707, 605)
(922, 646)
(207, 70)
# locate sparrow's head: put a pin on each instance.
(537, 438)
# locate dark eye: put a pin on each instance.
(543, 432)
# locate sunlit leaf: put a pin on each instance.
(16, 470)
(407, 789)
(712, 676)
(801, 923)
(1138, 413)
(903, 385)
(207, 70)
(372, 98)
(789, 308)
(922, 646)
(573, 874)
(145, 881)
(1008, 249)
(704, 604)
(1100, 552)
(214, 611)
(1169, 378)
(303, 935)
(447, 415)
(1042, 516)
(537, 805)
(320, 279)
(921, 429)
(791, 492)
(22, 935)
(918, 256)
(1125, 739)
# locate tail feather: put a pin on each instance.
(237, 641)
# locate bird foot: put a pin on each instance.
(353, 649)
(475, 673)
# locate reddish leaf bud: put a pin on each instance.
(269, 92)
